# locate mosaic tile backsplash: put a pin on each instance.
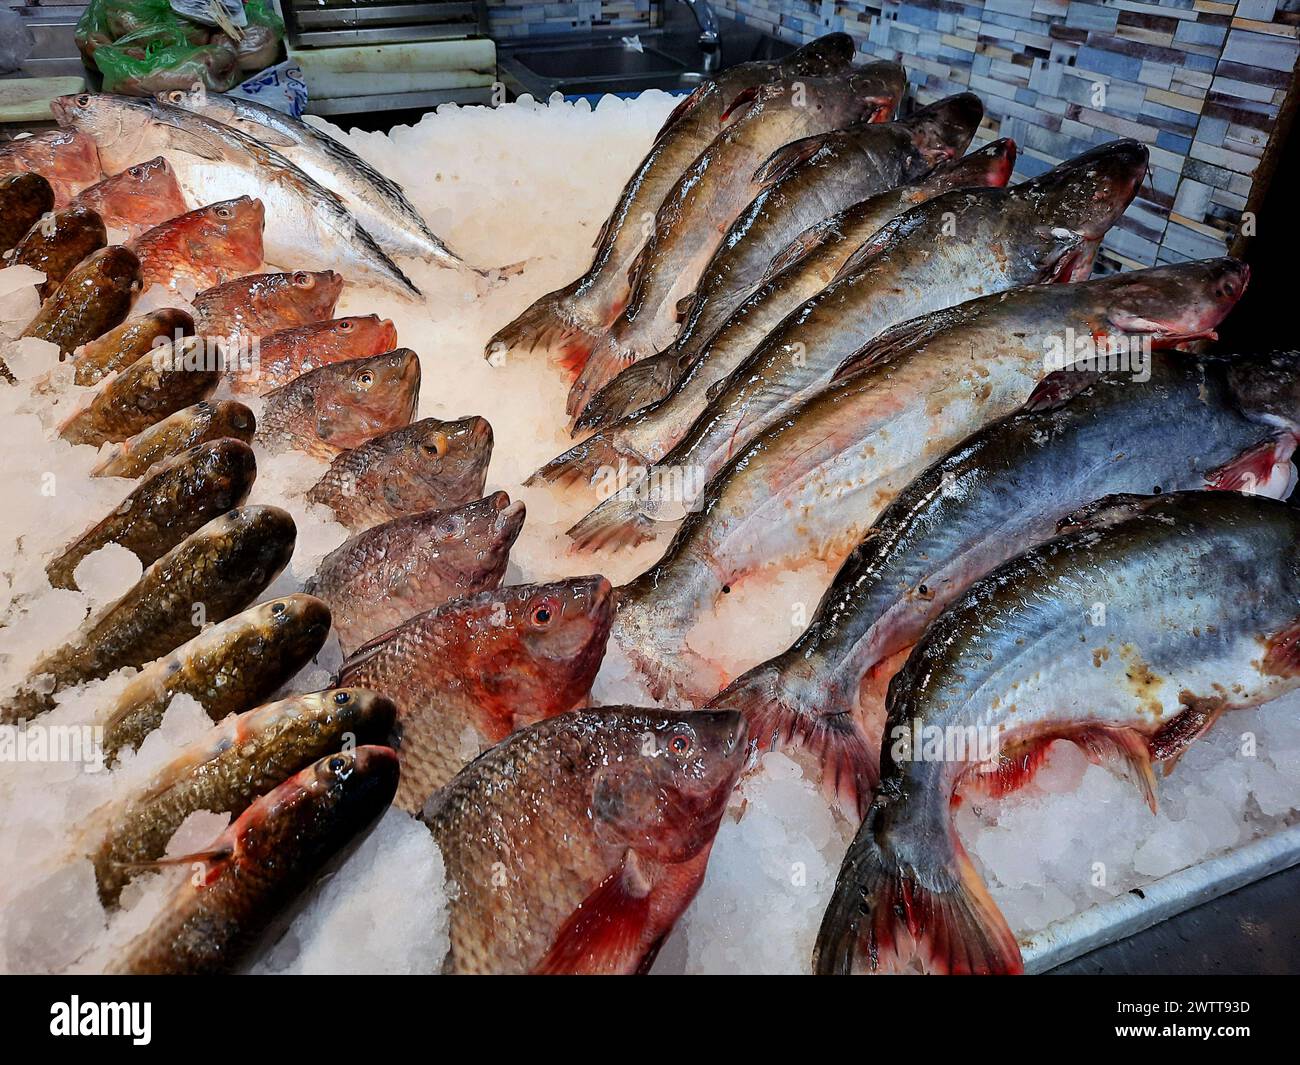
(1201, 83)
(524, 18)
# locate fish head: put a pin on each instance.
(361, 398)
(300, 623)
(366, 715)
(112, 124)
(152, 190)
(254, 542)
(664, 786)
(450, 457)
(368, 333)
(334, 799)
(942, 130)
(827, 54)
(486, 528)
(227, 465)
(1266, 388)
(1174, 304)
(114, 269)
(232, 231)
(871, 93)
(311, 294)
(990, 166)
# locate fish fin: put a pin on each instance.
(944, 909)
(1196, 718)
(777, 716)
(622, 520)
(716, 389)
(1058, 388)
(1015, 766)
(1131, 749)
(580, 463)
(544, 324)
(1282, 652)
(688, 104)
(1104, 512)
(604, 933)
(790, 157)
(184, 140)
(1251, 471)
(684, 306)
(867, 250)
(889, 344)
(639, 386)
(797, 250)
(208, 857)
(745, 96)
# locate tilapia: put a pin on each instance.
(466, 675)
(307, 224)
(427, 465)
(292, 352)
(96, 295)
(207, 577)
(175, 500)
(24, 200)
(256, 306)
(342, 405)
(66, 159)
(729, 173)
(227, 668)
(155, 385)
(955, 247)
(571, 318)
(130, 341)
(1201, 592)
(176, 433)
(59, 241)
(579, 841)
(803, 269)
(261, 864)
(1193, 423)
(226, 770)
(811, 485)
(203, 247)
(381, 577)
(138, 198)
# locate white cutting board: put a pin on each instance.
(28, 99)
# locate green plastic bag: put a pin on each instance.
(150, 61)
(92, 30)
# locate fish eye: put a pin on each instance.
(345, 326)
(83, 100)
(681, 744)
(341, 767)
(303, 279)
(543, 613)
(341, 698)
(277, 608)
(438, 445)
(365, 378)
(225, 212)
(136, 171)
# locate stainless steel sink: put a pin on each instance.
(602, 61)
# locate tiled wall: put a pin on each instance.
(1200, 82)
(522, 18)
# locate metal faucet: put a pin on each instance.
(706, 18)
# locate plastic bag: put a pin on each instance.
(281, 86)
(153, 61)
(92, 30)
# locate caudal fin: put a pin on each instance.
(580, 463)
(779, 715)
(933, 905)
(622, 520)
(547, 325)
(607, 359)
(640, 385)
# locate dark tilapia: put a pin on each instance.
(428, 465)
(258, 305)
(95, 296)
(134, 338)
(579, 841)
(24, 200)
(1202, 615)
(176, 433)
(228, 769)
(59, 241)
(227, 668)
(176, 500)
(262, 863)
(207, 577)
(342, 405)
(466, 675)
(406, 566)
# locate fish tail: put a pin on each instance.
(605, 361)
(580, 463)
(640, 385)
(933, 899)
(781, 711)
(623, 520)
(547, 324)
(651, 627)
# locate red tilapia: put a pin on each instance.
(262, 304)
(68, 160)
(139, 198)
(292, 352)
(203, 247)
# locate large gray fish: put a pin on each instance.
(1202, 615)
(208, 576)
(307, 225)
(1193, 423)
(803, 269)
(709, 196)
(811, 485)
(579, 841)
(377, 202)
(955, 247)
(411, 564)
(571, 318)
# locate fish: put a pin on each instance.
(66, 159)
(59, 241)
(293, 352)
(96, 296)
(136, 199)
(128, 342)
(252, 307)
(341, 405)
(307, 225)
(24, 200)
(227, 769)
(384, 575)
(255, 870)
(427, 465)
(155, 385)
(1201, 591)
(729, 173)
(377, 202)
(192, 425)
(203, 247)
(227, 668)
(570, 319)
(210, 575)
(995, 494)
(593, 829)
(952, 248)
(803, 269)
(174, 501)
(467, 674)
(810, 486)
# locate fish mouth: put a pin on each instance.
(510, 520)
